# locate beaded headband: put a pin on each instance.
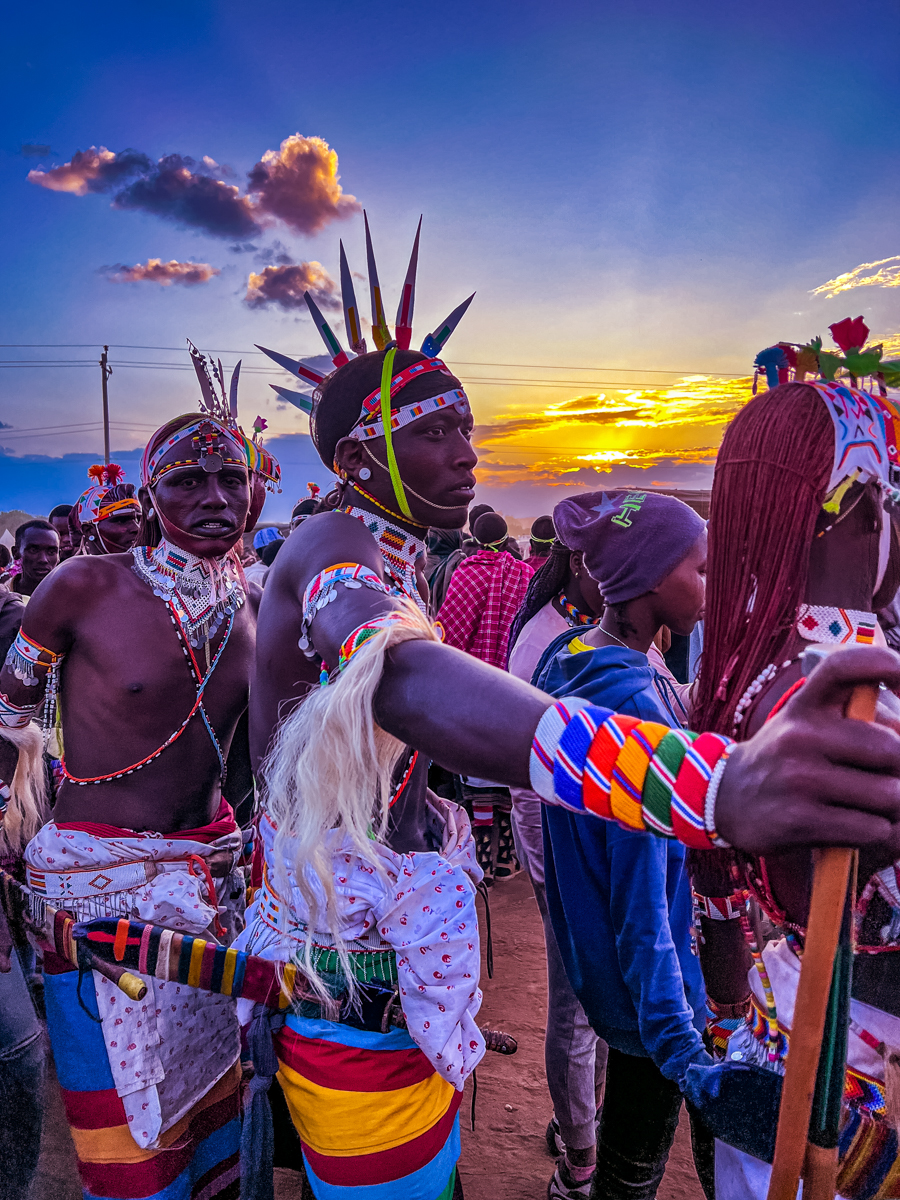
(150, 474)
(89, 507)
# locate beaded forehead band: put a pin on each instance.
(208, 449)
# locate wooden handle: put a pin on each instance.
(830, 878)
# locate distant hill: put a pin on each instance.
(13, 519)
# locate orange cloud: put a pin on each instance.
(154, 270)
(642, 427)
(284, 286)
(94, 170)
(873, 274)
(299, 184)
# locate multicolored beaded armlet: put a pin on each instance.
(640, 774)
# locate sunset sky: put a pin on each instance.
(642, 196)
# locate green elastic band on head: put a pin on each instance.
(393, 469)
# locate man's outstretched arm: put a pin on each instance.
(810, 777)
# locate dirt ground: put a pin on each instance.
(505, 1158)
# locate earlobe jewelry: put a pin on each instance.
(150, 512)
(365, 473)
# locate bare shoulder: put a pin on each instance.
(323, 541)
(70, 592)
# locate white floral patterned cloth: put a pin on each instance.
(167, 1050)
(422, 907)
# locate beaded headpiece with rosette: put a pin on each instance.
(866, 422)
(382, 412)
(92, 505)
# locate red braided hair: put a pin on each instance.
(771, 478)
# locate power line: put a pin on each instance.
(460, 362)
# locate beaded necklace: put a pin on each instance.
(398, 549)
(573, 615)
(201, 591)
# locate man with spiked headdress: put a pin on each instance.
(369, 880)
(145, 657)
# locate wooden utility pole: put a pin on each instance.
(105, 372)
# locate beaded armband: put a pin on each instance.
(641, 774)
(25, 656)
(362, 633)
(322, 590)
(16, 716)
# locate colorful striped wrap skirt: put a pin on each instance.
(151, 1087)
(198, 1157)
(375, 1120)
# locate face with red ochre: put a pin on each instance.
(436, 459)
(119, 532)
(203, 512)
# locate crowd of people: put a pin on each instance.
(250, 798)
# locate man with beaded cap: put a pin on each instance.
(369, 881)
(147, 656)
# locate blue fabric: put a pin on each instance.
(264, 536)
(620, 901)
(82, 1063)
(428, 1183)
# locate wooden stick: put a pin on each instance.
(830, 878)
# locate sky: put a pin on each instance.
(641, 195)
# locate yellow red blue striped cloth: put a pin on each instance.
(375, 1119)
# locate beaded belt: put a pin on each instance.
(370, 964)
(83, 882)
(861, 1091)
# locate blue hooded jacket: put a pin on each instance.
(620, 901)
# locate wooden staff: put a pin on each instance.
(832, 873)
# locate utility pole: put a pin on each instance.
(105, 372)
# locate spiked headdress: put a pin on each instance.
(222, 408)
(379, 415)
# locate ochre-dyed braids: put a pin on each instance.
(771, 478)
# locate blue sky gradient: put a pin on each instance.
(644, 186)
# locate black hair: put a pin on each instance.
(305, 508)
(476, 511)
(338, 399)
(61, 510)
(37, 523)
(5, 556)
(268, 552)
(490, 528)
(545, 585)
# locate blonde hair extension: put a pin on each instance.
(28, 803)
(330, 768)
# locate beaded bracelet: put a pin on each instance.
(641, 774)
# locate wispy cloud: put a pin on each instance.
(283, 286)
(93, 170)
(297, 185)
(874, 274)
(154, 270)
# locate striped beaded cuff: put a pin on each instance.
(643, 775)
(551, 727)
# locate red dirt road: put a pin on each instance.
(504, 1159)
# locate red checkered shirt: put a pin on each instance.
(486, 591)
